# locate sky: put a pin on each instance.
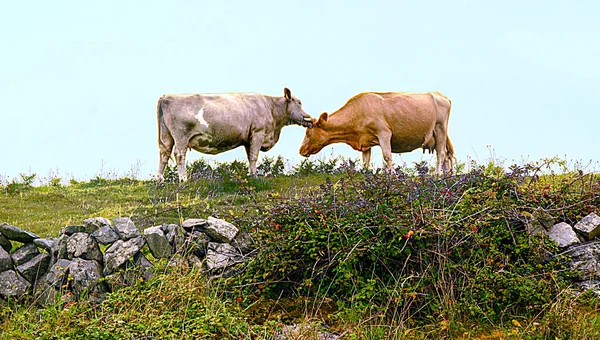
(79, 80)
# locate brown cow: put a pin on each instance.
(396, 121)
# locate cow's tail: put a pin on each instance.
(163, 130)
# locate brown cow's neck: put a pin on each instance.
(341, 128)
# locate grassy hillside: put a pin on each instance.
(365, 255)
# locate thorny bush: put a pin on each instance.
(416, 246)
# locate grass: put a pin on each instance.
(183, 302)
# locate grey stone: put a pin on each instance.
(59, 248)
(12, 284)
(84, 246)
(16, 234)
(592, 285)
(589, 226)
(6, 261)
(86, 275)
(176, 236)
(57, 275)
(563, 234)
(73, 229)
(194, 222)
(221, 255)
(586, 260)
(44, 293)
(157, 242)
(195, 242)
(105, 235)
(34, 268)
(243, 242)
(121, 251)
(45, 243)
(24, 253)
(125, 228)
(5, 243)
(219, 230)
(94, 223)
(139, 268)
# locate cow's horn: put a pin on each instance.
(307, 119)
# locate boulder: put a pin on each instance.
(589, 226)
(94, 223)
(16, 234)
(5, 243)
(585, 259)
(125, 228)
(59, 248)
(243, 242)
(73, 229)
(157, 242)
(12, 284)
(195, 243)
(105, 235)
(194, 222)
(121, 251)
(34, 268)
(24, 253)
(6, 262)
(45, 243)
(219, 230)
(221, 255)
(83, 246)
(86, 275)
(563, 234)
(57, 275)
(175, 234)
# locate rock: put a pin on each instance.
(105, 235)
(16, 234)
(304, 331)
(563, 234)
(593, 285)
(44, 293)
(219, 230)
(194, 222)
(139, 268)
(243, 242)
(5, 243)
(24, 253)
(157, 242)
(125, 228)
(95, 223)
(86, 276)
(175, 234)
(221, 255)
(73, 229)
(589, 226)
(586, 260)
(195, 243)
(45, 243)
(57, 275)
(538, 222)
(83, 246)
(34, 268)
(12, 284)
(6, 262)
(59, 248)
(121, 251)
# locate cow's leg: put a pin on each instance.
(385, 142)
(440, 148)
(366, 156)
(165, 147)
(252, 151)
(180, 160)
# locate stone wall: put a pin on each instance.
(100, 255)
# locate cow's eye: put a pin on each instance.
(299, 102)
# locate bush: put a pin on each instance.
(420, 246)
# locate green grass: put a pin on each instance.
(184, 303)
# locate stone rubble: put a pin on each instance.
(72, 265)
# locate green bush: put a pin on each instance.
(419, 246)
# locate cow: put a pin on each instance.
(396, 121)
(214, 123)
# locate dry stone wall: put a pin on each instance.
(74, 264)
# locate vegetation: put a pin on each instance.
(368, 255)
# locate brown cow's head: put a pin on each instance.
(296, 114)
(316, 138)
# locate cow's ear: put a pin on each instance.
(322, 118)
(287, 93)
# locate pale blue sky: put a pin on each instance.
(79, 80)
